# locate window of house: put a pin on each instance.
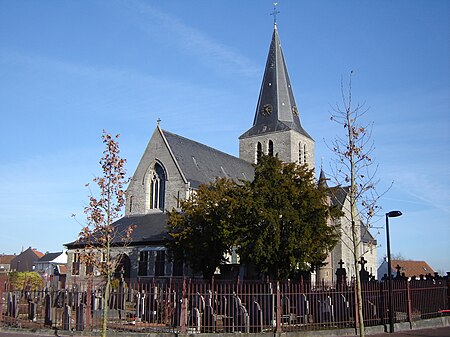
(131, 204)
(89, 269)
(258, 151)
(270, 148)
(143, 263)
(157, 188)
(76, 264)
(160, 263)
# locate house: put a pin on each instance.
(26, 260)
(405, 268)
(172, 167)
(5, 263)
(50, 263)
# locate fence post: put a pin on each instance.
(355, 302)
(448, 290)
(89, 302)
(2, 285)
(183, 308)
(278, 330)
(408, 291)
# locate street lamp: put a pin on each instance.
(391, 214)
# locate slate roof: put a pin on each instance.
(202, 164)
(150, 229)
(366, 236)
(412, 268)
(49, 257)
(276, 95)
(338, 195)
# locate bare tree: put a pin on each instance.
(355, 172)
(99, 233)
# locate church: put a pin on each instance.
(172, 167)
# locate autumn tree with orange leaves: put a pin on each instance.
(99, 233)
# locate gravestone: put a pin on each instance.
(255, 317)
(341, 275)
(48, 310)
(66, 318)
(363, 273)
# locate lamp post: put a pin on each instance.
(391, 214)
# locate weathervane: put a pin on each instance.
(274, 13)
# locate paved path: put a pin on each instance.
(433, 332)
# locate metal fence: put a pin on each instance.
(191, 305)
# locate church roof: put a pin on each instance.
(202, 164)
(150, 228)
(338, 195)
(276, 109)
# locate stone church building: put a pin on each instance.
(172, 167)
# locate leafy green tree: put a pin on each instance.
(25, 280)
(284, 226)
(277, 222)
(202, 233)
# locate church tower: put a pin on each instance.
(276, 127)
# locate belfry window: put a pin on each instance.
(157, 188)
(258, 151)
(270, 148)
(304, 154)
(300, 154)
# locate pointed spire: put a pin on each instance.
(276, 109)
(323, 178)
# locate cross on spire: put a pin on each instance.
(274, 13)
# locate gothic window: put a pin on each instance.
(143, 263)
(157, 188)
(160, 263)
(258, 151)
(270, 148)
(131, 204)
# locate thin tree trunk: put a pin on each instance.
(107, 293)
(358, 279)
(353, 216)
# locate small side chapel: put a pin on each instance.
(172, 167)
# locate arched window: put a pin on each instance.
(270, 148)
(157, 188)
(258, 151)
(131, 204)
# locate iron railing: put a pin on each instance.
(192, 305)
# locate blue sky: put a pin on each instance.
(69, 69)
